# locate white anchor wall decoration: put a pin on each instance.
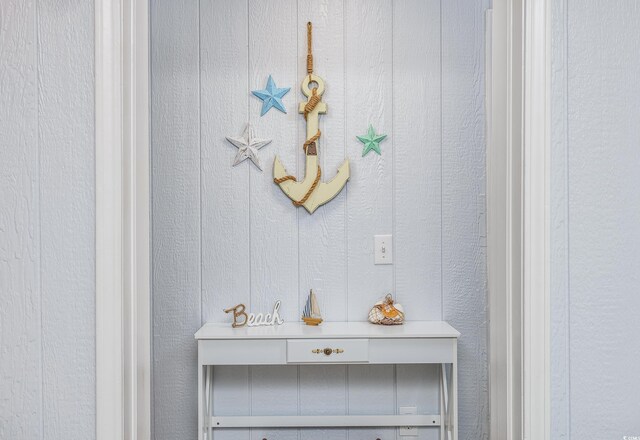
(311, 192)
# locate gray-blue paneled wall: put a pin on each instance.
(47, 220)
(595, 235)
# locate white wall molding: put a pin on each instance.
(109, 233)
(504, 221)
(518, 198)
(536, 198)
(122, 221)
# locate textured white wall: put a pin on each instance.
(223, 235)
(596, 220)
(47, 309)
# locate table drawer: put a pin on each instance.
(327, 350)
(413, 351)
(242, 352)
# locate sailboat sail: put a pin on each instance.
(311, 312)
(315, 308)
(307, 308)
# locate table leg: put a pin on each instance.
(454, 393)
(210, 400)
(443, 408)
(207, 399)
(200, 403)
(448, 403)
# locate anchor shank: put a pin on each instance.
(313, 120)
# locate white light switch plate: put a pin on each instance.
(383, 249)
(408, 431)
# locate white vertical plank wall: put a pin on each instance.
(176, 250)
(559, 234)
(224, 78)
(417, 171)
(224, 235)
(371, 391)
(67, 191)
(20, 296)
(322, 245)
(595, 219)
(323, 248)
(463, 186)
(47, 218)
(417, 175)
(369, 87)
(274, 225)
(323, 392)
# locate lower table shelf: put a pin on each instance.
(323, 421)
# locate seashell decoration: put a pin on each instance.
(386, 312)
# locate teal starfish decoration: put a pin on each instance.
(271, 96)
(371, 141)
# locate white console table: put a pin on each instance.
(417, 342)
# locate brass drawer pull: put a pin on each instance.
(327, 351)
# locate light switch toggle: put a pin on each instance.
(383, 249)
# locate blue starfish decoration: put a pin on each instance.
(271, 96)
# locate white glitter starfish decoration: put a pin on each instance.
(248, 146)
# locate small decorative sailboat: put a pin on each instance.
(311, 313)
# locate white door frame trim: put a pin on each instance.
(536, 220)
(518, 220)
(504, 218)
(123, 302)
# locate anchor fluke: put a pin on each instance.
(325, 192)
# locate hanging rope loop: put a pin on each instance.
(309, 50)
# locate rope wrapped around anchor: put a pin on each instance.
(313, 101)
